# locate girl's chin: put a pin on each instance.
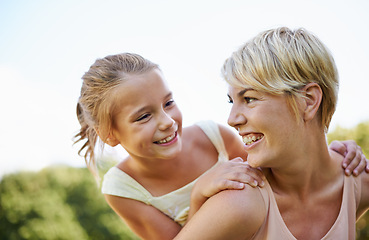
(172, 153)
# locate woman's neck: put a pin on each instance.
(309, 169)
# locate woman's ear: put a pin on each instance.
(110, 139)
(312, 98)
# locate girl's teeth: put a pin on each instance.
(249, 140)
(168, 139)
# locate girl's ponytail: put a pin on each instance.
(89, 134)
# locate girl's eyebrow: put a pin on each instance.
(170, 94)
(147, 107)
(140, 110)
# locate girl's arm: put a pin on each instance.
(145, 221)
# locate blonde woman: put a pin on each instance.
(283, 87)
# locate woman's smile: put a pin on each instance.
(252, 138)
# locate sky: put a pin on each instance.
(46, 47)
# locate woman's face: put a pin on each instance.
(266, 124)
(148, 123)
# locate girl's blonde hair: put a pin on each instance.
(95, 106)
(282, 61)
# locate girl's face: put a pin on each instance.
(148, 123)
(266, 123)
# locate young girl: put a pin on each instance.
(125, 100)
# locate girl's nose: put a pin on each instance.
(166, 121)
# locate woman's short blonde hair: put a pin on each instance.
(282, 61)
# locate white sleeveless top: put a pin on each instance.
(174, 204)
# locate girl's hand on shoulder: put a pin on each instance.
(230, 175)
(233, 174)
(355, 161)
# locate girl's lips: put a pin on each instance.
(167, 140)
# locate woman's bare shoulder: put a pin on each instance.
(225, 215)
(246, 204)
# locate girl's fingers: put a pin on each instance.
(237, 171)
(229, 184)
(351, 159)
(362, 165)
(338, 147)
(352, 165)
(246, 174)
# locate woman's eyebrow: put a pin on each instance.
(242, 92)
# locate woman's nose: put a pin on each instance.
(236, 118)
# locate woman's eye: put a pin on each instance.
(230, 100)
(249, 99)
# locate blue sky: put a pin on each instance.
(46, 46)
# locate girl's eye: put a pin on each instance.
(169, 103)
(249, 99)
(230, 100)
(143, 117)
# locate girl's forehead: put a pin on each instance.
(150, 78)
(141, 88)
(135, 83)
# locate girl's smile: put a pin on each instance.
(168, 140)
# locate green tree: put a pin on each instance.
(359, 133)
(56, 203)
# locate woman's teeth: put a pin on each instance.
(168, 139)
(249, 140)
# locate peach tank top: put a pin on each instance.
(343, 228)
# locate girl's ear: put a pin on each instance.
(110, 139)
(312, 99)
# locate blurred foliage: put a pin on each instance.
(359, 133)
(56, 203)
